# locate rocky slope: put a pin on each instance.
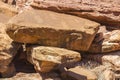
(60, 40)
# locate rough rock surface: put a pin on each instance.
(34, 76)
(25, 76)
(8, 49)
(111, 59)
(52, 29)
(108, 75)
(78, 73)
(104, 72)
(7, 9)
(6, 12)
(46, 59)
(102, 11)
(107, 41)
(4, 18)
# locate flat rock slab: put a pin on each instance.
(79, 73)
(102, 11)
(52, 29)
(46, 59)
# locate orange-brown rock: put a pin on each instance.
(7, 9)
(6, 12)
(8, 49)
(52, 29)
(79, 73)
(46, 59)
(102, 11)
(108, 41)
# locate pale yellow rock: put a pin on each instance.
(46, 59)
(115, 36)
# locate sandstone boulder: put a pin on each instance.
(108, 41)
(79, 73)
(46, 59)
(52, 29)
(8, 49)
(102, 11)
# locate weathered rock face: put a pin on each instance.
(104, 72)
(46, 59)
(52, 29)
(111, 59)
(6, 12)
(103, 11)
(8, 49)
(108, 75)
(106, 42)
(25, 76)
(21, 5)
(78, 73)
(7, 9)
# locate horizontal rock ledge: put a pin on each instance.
(106, 12)
(49, 28)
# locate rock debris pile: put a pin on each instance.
(60, 40)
